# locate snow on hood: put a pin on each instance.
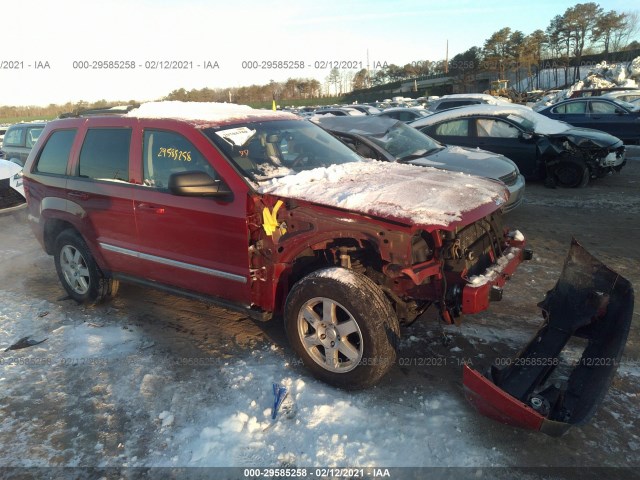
(204, 111)
(542, 124)
(415, 194)
(8, 169)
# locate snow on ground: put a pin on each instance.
(391, 190)
(97, 392)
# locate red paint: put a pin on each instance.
(495, 403)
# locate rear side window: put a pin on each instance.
(55, 154)
(32, 136)
(105, 154)
(14, 137)
(455, 128)
(572, 108)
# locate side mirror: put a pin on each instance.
(619, 111)
(526, 136)
(198, 184)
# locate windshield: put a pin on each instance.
(403, 141)
(627, 105)
(277, 148)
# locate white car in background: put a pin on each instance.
(11, 190)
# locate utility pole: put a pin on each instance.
(446, 59)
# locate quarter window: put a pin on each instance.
(165, 153)
(55, 154)
(105, 154)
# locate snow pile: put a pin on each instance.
(602, 75)
(413, 194)
(204, 111)
(541, 124)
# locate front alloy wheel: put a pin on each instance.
(343, 327)
(330, 334)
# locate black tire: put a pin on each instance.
(571, 173)
(364, 328)
(78, 271)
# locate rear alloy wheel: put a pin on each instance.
(572, 173)
(342, 326)
(78, 271)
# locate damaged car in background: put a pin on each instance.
(541, 147)
(390, 140)
(268, 214)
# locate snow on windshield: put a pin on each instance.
(416, 194)
(542, 124)
(276, 148)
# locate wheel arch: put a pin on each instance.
(319, 255)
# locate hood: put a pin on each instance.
(8, 169)
(472, 161)
(588, 137)
(408, 194)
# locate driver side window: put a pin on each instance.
(496, 129)
(165, 153)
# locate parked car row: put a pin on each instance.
(390, 140)
(17, 142)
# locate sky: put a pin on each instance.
(47, 62)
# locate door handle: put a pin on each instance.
(147, 207)
(78, 195)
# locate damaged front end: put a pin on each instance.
(591, 302)
(599, 152)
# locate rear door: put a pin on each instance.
(452, 132)
(100, 190)
(195, 243)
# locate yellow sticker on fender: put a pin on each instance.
(270, 220)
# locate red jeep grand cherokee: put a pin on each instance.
(266, 213)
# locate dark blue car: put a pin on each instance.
(615, 117)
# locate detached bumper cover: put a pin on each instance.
(589, 301)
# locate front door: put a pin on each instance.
(194, 243)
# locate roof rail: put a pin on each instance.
(117, 110)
